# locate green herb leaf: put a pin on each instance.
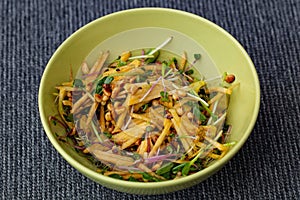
(54, 122)
(132, 179)
(66, 109)
(226, 128)
(224, 76)
(104, 80)
(165, 168)
(186, 169)
(203, 103)
(197, 56)
(149, 128)
(108, 80)
(99, 87)
(121, 63)
(144, 107)
(136, 156)
(164, 96)
(178, 168)
(69, 117)
(169, 149)
(189, 72)
(167, 175)
(214, 117)
(107, 134)
(173, 60)
(147, 176)
(116, 176)
(78, 83)
(198, 114)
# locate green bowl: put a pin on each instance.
(147, 27)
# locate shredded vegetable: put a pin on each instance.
(143, 118)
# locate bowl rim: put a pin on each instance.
(153, 185)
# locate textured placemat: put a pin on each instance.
(268, 165)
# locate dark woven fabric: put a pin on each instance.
(267, 167)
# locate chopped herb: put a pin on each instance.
(136, 156)
(149, 129)
(173, 60)
(116, 176)
(167, 175)
(198, 114)
(186, 169)
(78, 83)
(164, 96)
(54, 122)
(108, 80)
(176, 169)
(189, 72)
(67, 109)
(226, 127)
(204, 104)
(99, 89)
(121, 63)
(104, 80)
(107, 134)
(224, 76)
(169, 149)
(197, 56)
(148, 177)
(165, 168)
(132, 179)
(69, 117)
(144, 107)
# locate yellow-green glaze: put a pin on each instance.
(226, 53)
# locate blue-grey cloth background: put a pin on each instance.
(268, 165)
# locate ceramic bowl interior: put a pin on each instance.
(147, 27)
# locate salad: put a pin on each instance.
(146, 116)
